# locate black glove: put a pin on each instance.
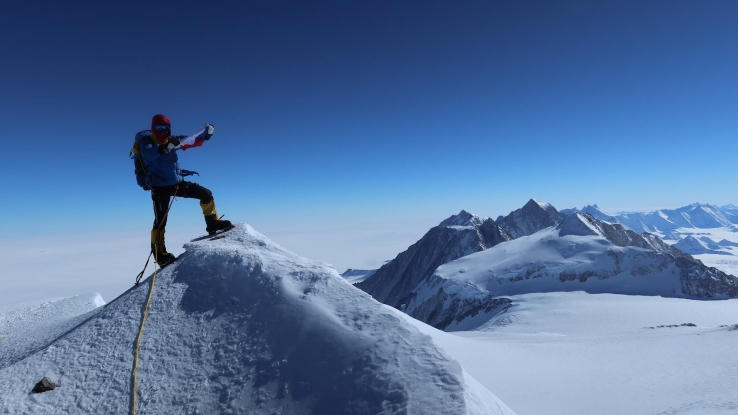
(173, 143)
(184, 172)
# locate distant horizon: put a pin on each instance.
(68, 264)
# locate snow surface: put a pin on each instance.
(236, 325)
(25, 328)
(578, 353)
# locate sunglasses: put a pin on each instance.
(162, 128)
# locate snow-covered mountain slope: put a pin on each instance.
(606, 354)
(599, 214)
(531, 218)
(240, 325)
(581, 254)
(25, 328)
(703, 222)
(730, 212)
(394, 281)
(584, 254)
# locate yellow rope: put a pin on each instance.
(138, 343)
(146, 310)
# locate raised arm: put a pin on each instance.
(197, 139)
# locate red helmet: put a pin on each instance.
(161, 127)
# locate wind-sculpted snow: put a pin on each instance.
(25, 328)
(240, 325)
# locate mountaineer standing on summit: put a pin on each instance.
(155, 157)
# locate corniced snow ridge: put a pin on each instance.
(240, 325)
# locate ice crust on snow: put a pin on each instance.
(240, 325)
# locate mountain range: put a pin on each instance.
(456, 277)
(667, 222)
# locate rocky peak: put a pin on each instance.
(463, 218)
(455, 237)
(599, 214)
(584, 224)
(529, 219)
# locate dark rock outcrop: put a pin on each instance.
(529, 219)
(393, 282)
(44, 385)
(443, 308)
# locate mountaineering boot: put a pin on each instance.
(213, 224)
(161, 256)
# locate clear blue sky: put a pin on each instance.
(367, 110)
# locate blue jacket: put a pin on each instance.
(161, 169)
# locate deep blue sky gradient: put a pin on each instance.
(367, 110)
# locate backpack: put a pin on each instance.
(135, 155)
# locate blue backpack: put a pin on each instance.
(135, 155)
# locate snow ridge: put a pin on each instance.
(240, 325)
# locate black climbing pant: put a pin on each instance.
(161, 195)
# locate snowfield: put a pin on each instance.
(237, 325)
(605, 354)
